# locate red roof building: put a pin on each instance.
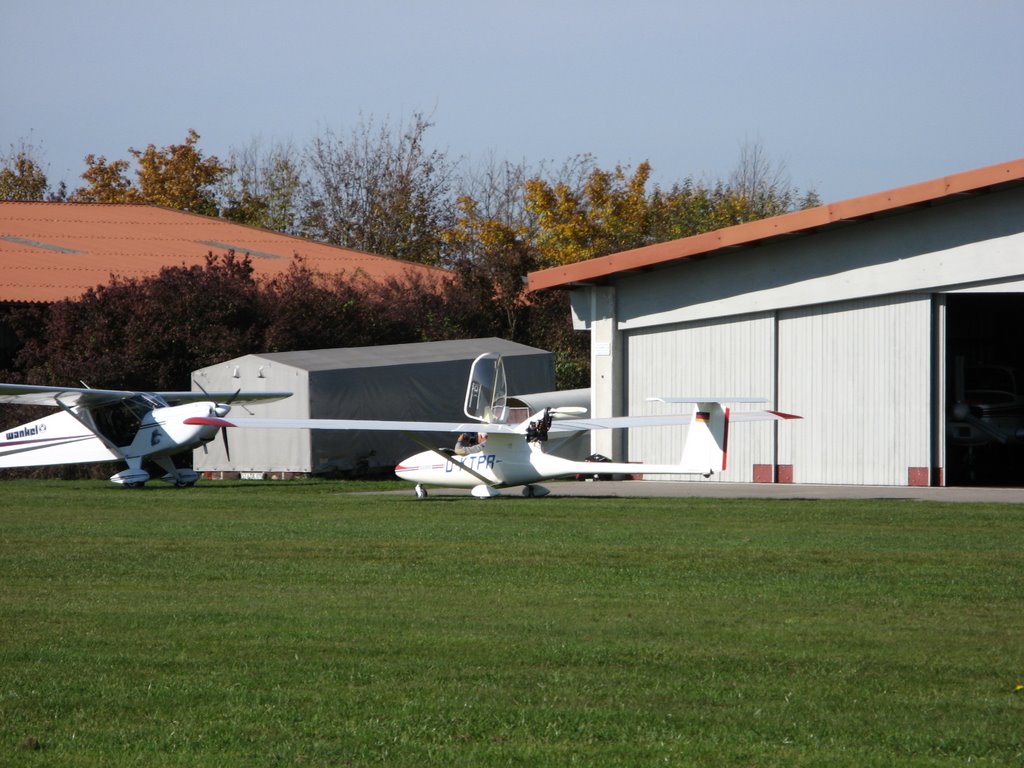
(54, 251)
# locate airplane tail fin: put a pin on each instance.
(706, 449)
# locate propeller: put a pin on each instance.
(227, 445)
(221, 410)
(537, 430)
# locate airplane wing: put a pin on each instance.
(558, 425)
(620, 422)
(239, 397)
(664, 420)
(366, 424)
(27, 394)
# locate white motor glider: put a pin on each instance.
(513, 453)
(95, 425)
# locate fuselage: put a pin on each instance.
(506, 460)
(130, 429)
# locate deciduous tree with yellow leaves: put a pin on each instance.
(612, 211)
(177, 176)
(21, 175)
(608, 213)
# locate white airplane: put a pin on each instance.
(514, 454)
(96, 425)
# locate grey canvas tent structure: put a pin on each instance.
(402, 381)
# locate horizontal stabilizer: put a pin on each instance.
(762, 416)
(765, 415)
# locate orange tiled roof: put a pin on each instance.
(53, 251)
(803, 222)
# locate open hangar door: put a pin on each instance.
(984, 389)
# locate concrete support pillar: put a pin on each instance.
(605, 370)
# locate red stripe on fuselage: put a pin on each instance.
(419, 468)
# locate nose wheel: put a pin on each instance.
(421, 492)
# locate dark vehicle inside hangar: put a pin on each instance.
(985, 389)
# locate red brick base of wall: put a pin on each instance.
(922, 477)
(767, 473)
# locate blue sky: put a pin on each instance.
(852, 97)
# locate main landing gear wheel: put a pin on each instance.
(484, 492)
(421, 492)
(535, 491)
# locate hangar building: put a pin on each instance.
(869, 317)
(404, 382)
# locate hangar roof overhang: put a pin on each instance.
(603, 270)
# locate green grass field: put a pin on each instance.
(248, 624)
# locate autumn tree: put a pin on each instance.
(262, 187)
(493, 246)
(106, 182)
(490, 251)
(763, 187)
(177, 176)
(21, 175)
(503, 231)
(610, 211)
(379, 191)
(607, 213)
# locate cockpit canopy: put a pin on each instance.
(487, 393)
(120, 420)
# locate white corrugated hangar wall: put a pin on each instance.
(846, 327)
(864, 422)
